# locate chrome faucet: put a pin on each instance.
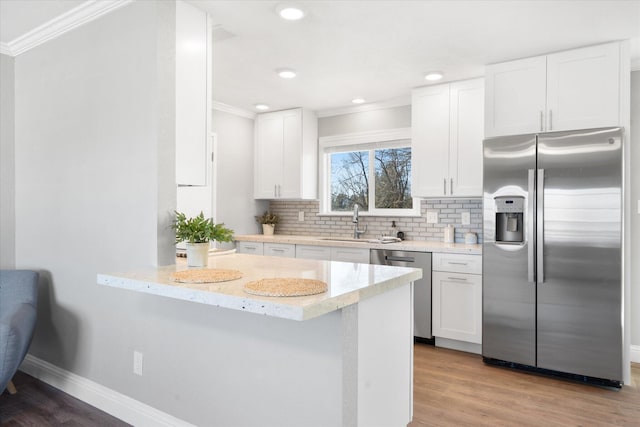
(356, 232)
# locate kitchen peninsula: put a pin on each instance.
(342, 357)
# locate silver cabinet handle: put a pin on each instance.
(550, 119)
(399, 258)
(451, 186)
(444, 186)
(530, 215)
(541, 121)
(540, 227)
(457, 263)
(459, 279)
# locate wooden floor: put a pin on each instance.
(39, 405)
(451, 389)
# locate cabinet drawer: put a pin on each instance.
(313, 252)
(280, 249)
(458, 263)
(250, 248)
(360, 255)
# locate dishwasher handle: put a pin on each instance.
(399, 258)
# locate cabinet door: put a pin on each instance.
(429, 141)
(313, 252)
(192, 82)
(515, 97)
(290, 185)
(583, 88)
(280, 249)
(465, 138)
(269, 155)
(457, 306)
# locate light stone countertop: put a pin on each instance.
(348, 284)
(405, 245)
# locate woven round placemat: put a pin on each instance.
(285, 287)
(205, 275)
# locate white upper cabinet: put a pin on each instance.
(583, 88)
(429, 141)
(193, 92)
(466, 127)
(576, 89)
(515, 101)
(286, 159)
(446, 140)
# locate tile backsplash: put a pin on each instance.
(414, 228)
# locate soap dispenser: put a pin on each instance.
(393, 231)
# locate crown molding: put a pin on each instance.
(4, 49)
(233, 110)
(79, 15)
(395, 102)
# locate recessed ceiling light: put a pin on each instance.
(286, 73)
(433, 75)
(290, 11)
(261, 107)
(358, 101)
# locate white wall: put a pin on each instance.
(7, 154)
(634, 233)
(94, 191)
(385, 118)
(235, 205)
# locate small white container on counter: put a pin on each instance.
(471, 238)
(449, 234)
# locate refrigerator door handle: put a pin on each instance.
(540, 227)
(530, 226)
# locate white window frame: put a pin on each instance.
(360, 141)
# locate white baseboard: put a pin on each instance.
(635, 353)
(120, 406)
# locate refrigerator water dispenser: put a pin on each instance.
(509, 217)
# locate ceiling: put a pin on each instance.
(378, 50)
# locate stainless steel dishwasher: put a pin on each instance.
(422, 287)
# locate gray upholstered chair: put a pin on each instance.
(18, 299)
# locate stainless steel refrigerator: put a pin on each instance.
(552, 253)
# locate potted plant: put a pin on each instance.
(268, 221)
(197, 232)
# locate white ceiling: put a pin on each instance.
(377, 50)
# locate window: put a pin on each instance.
(375, 175)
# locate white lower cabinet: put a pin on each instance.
(359, 255)
(313, 252)
(457, 299)
(254, 248)
(286, 250)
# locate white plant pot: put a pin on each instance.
(268, 229)
(197, 254)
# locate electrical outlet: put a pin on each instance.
(300, 216)
(465, 218)
(432, 217)
(137, 363)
